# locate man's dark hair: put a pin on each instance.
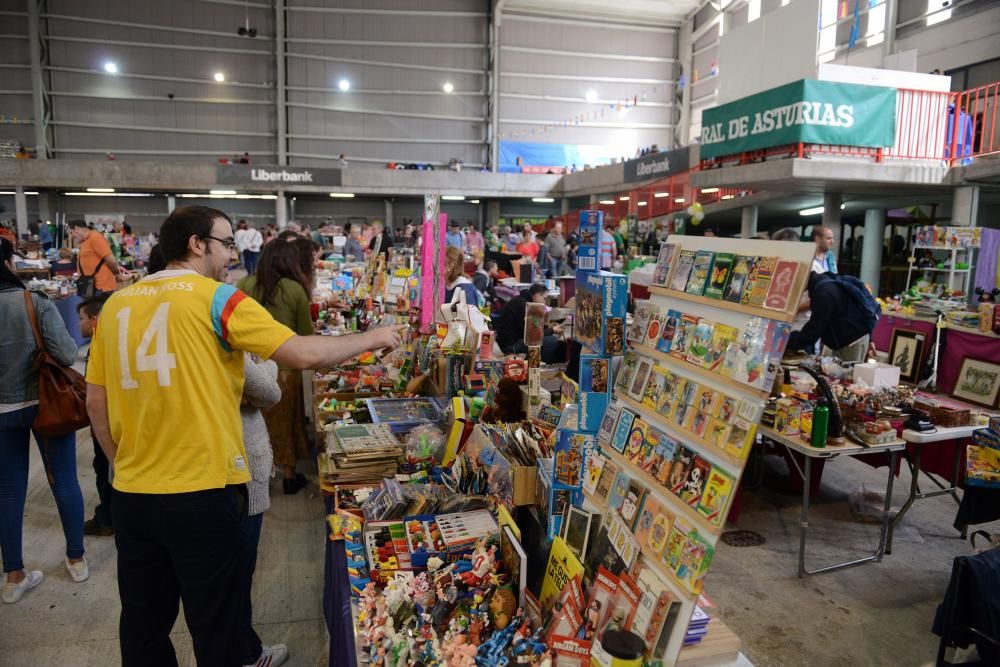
(91, 306)
(489, 264)
(819, 231)
(182, 224)
(156, 262)
(78, 223)
(288, 235)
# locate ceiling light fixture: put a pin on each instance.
(344, 85)
(12, 194)
(222, 192)
(708, 191)
(105, 194)
(100, 189)
(815, 210)
(542, 200)
(453, 197)
(678, 200)
(728, 196)
(607, 202)
(661, 195)
(642, 203)
(473, 201)
(110, 67)
(623, 198)
(448, 87)
(342, 195)
(220, 77)
(591, 96)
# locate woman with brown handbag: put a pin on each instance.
(18, 408)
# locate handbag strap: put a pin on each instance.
(33, 318)
(79, 267)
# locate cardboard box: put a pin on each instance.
(877, 374)
(588, 253)
(601, 301)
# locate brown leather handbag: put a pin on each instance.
(62, 392)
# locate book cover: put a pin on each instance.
(618, 491)
(668, 395)
(636, 439)
(602, 595)
(608, 475)
(626, 602)
(603, 555)
(666, 454)
(644, 310)
(715, 499)
(695, 558)
(601, 299)
(563, 565)
(685, 333)
(588, 253)
(651, 617)
(761, 280)
(742, 268)
(669, 323)
(626, 370)
(701, 342)
(592, 471)
(647, 458)
(699, 426)
(741, 437)
(694, 485)
(622, 429)
(632, 502)
(515, 561)
(652, 508)
(685, 262)
(664, 263)
(786, 272)
(639, 379)
(608, 423)
(678, 537)
(655, 385)
(721, 272)
(623, 542)
(653, 329)
(722, 336)
(718, 433)
(680, 469)
(576, 529)
(700, 273)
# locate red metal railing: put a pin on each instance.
(973, 123)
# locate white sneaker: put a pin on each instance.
(14, 592)
(78, 571)
(271, 656)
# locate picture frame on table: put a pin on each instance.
(907, 353)
(978, 382)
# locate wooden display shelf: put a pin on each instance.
(720, 645)
(726, 305)
(700, 371)
(730, 463)
(685, 510)
(647, 554)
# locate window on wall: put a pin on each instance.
(875, 34)
(753, 10)
(938, 11)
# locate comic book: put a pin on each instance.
(622, 430)
(664, 263)
(685, 262)
(684, 335)
(720, 275)
(636, 439)
(722, 336)
(669, 323)
(760, 281)
(742, 268)
(786, 272)
(715, 499)
(700, 273)
(694, 485)
(655, 385)
(701, 342)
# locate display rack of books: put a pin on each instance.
(701, 357)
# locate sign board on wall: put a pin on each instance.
(807, 111)
(657, 165)
(273, 175)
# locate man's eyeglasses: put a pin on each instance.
(228, 244)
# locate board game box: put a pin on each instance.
(601, 300)
(588, 253)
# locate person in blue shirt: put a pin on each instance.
(45, 235)
(454, 238)
(824, 261)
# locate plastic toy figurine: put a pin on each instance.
(483, 562)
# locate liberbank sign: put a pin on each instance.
(657, 165)
(807, 111)
(273, 175)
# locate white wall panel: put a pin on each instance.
(15, 82)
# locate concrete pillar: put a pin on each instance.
(171, 204)
(493, 212)
(21, 210)
(280, 134)
(281, 211)
(965, 206)
(748, 222)
(291, 208)
(48, 206)
(891, 18)
(388, 214)
(564, 206)
(871, 250)
(595, 199)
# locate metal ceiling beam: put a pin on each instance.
(148, 26)
(151, 45)
(374, 160)
(571, 77)
(143, 151)
(493, 110)
(381, 63)
(14, 66)
(155, 77)
(238, 3)
(160, 99)
(165, 130)
(280, 93)
(626, 126)
(383, 91)
(577, 100)
(380, 112)
(422, 13)
(406, 45)
(38, 104)
(583, 23)
(587, 54)
(387, 140)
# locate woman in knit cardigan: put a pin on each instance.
(260, 392)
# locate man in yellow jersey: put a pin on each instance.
(164, 385)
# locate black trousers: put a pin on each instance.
(102, 469)
(181, 547)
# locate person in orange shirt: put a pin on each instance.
(528, 247)
(93, 249)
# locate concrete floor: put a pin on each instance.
(875, 614)
(77, 624)
(872, 614)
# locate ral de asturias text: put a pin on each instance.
(800, 113)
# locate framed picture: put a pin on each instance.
(978, 382)
(907, 352)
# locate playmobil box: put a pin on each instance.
(588, 253)
(601, 301)
(595, 391)
(570, 452)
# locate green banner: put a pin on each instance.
(807, 111)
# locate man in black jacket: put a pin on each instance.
(837, 320)
(509, 325)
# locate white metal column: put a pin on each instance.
(748, 222)
(281, 132)
(871, 250)
(21, 210)
(37, 83)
